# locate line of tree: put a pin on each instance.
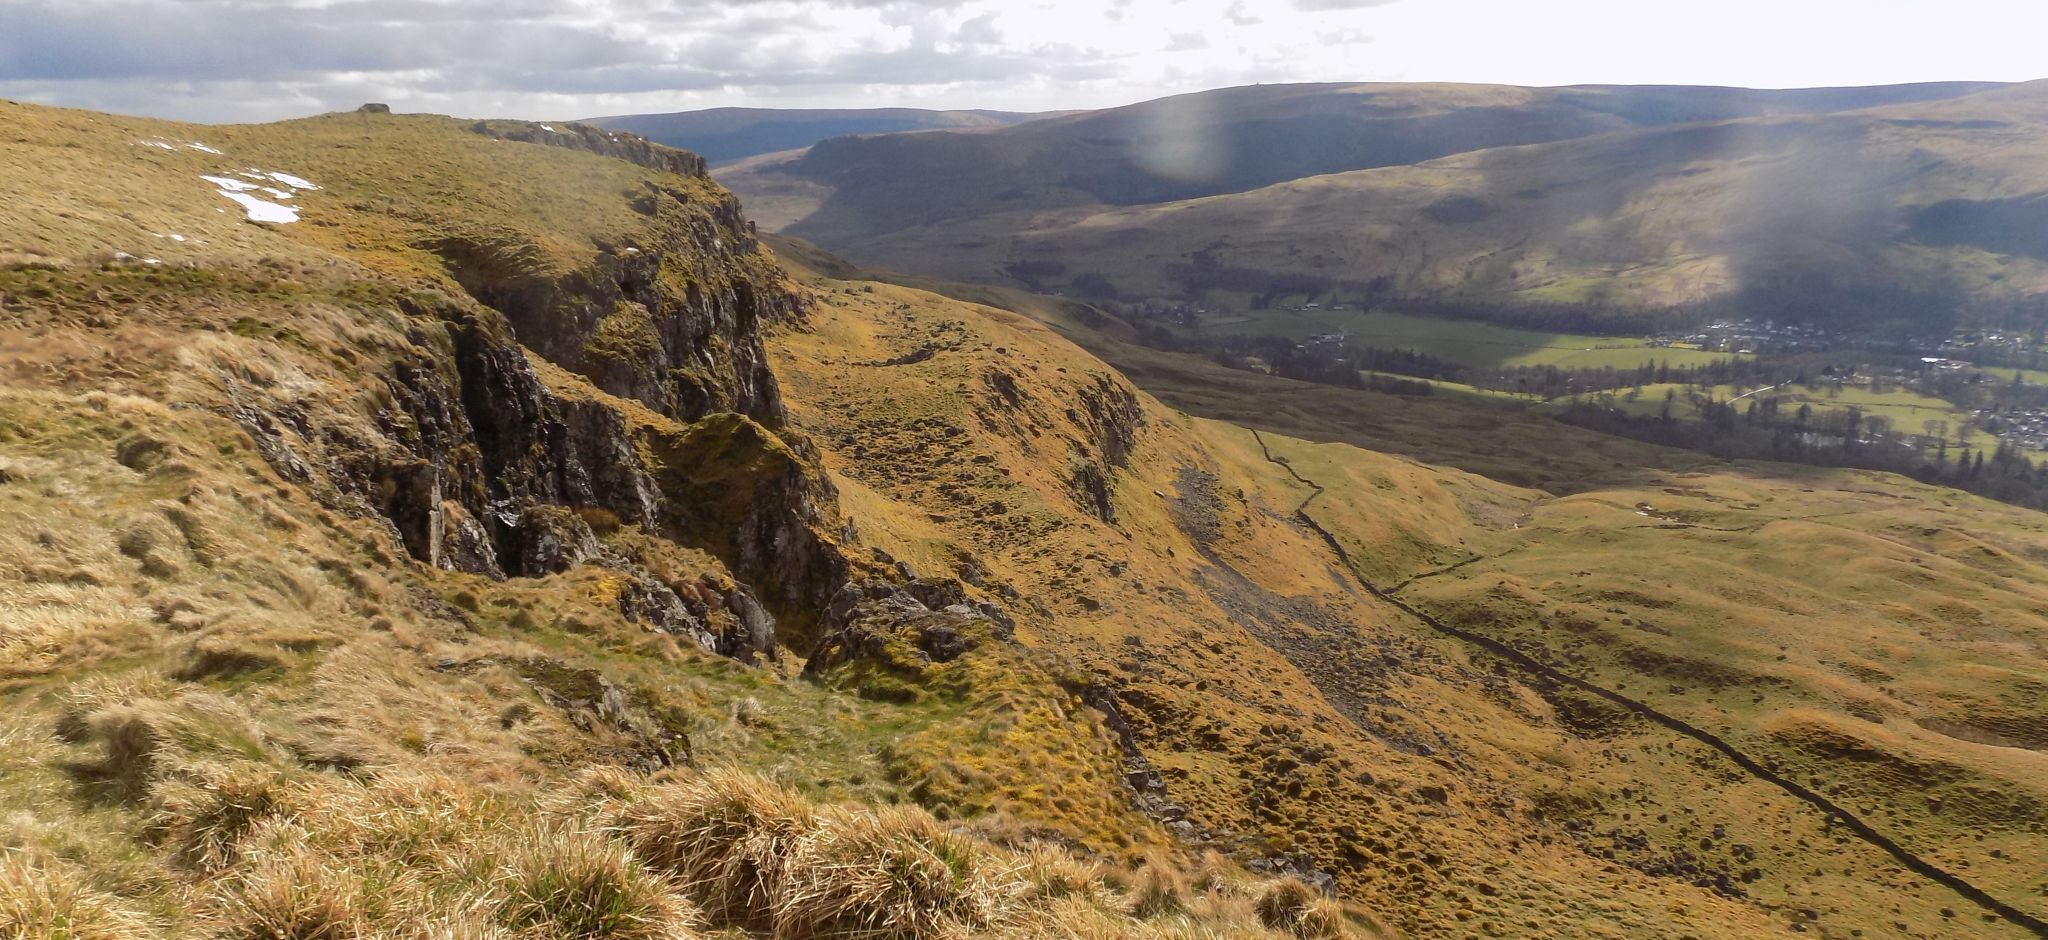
(1690, 414)
(1769, 429)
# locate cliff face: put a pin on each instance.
(668, 314)
(670, 317)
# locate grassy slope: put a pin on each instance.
(1882, 640)
(1862, 633)
(1296, 634)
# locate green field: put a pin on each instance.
(1908, 411)
(1480, 345)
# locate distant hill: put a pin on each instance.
(1588, 195)
(725, 134)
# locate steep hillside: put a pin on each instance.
(1895, 211)
(509, 546)
(722, 135)
(1373, 617)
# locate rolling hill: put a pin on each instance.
(1845, 205)
(722, 135)
(508, 544)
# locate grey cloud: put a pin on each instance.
(242, 60)
(135, 40)
(981, 29)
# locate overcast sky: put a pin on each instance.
(238, 60)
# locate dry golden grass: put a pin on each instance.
(579, 886)
(615, 856)
(43, 899)
(1158, 889)
(1262, 714)
(1288, 904)
(725, 837)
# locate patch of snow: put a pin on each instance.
(256, 175)
(230, 184)
(276, 193)
(152, 261)
(292, 181)
(202, 148)
(632, 251)
(173, 236)
(548, 127)
(260, 211)
(158, 143)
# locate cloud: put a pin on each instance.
(259, 59)
(981, 30)
(242, 60)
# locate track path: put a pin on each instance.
(1750, 765)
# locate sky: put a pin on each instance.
(255, 60)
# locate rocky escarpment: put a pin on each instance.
(484, 457)
(669, 315)
(479, 463)
(622, 145)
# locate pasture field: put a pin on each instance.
(1469, 343)
(1909, 412)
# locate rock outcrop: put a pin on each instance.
(670, 317)
(484, 457)
(631, 148)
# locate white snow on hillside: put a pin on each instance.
(258, 210)
(261, 211)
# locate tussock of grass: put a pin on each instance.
(756, 854)
(1158, 889)
(203, 821)
(577, 884)
(291, 893)
(895, 873)
(728, 837)
(43, 900)
(1290, 905)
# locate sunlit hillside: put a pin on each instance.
(509, 545)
